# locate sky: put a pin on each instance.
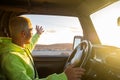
(57, 29)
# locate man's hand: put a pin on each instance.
(39, 30)
(74, 73)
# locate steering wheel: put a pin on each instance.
(80, 54)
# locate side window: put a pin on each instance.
(59, 32)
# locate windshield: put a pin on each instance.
(105, 23)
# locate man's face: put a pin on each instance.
(28, 34)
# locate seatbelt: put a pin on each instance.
(32, 62)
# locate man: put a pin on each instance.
(16, 60)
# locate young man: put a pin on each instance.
(16, 60)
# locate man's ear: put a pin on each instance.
(23, 34)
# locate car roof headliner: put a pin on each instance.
(44, 6)
(56, 7)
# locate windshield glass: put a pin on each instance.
(105, 23)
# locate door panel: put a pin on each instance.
(47, 65)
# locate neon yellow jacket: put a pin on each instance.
(16, 64)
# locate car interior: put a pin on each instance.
(101, 62)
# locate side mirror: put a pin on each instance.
(118, 21)
(76, 41)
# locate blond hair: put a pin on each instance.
(18, 24)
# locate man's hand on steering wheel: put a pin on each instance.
(74, 73)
